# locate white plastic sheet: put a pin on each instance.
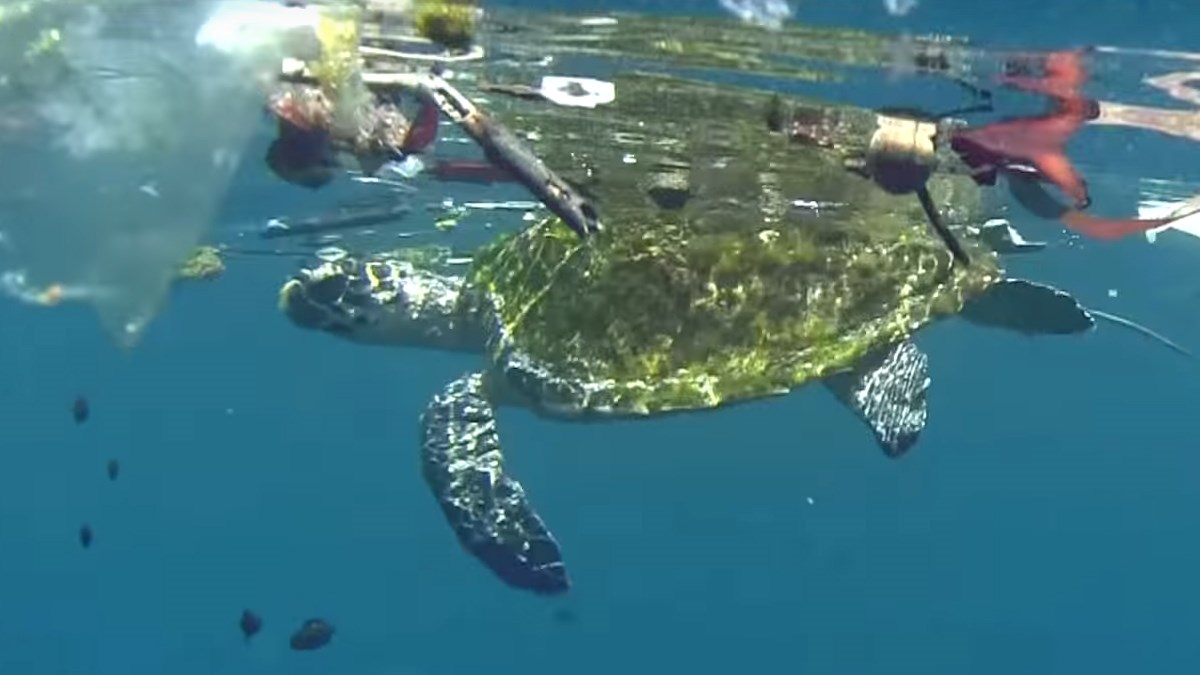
(141, 131)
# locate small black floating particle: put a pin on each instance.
(80, 409)
(114, 468)
(250, 623)
(85, 536)
(313, 634)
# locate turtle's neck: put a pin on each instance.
(435, 311)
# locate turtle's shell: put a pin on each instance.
(736, 261)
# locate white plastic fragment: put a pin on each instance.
(244, 27)
(408, 167)
(1169, 199)
(768, 14)
(331, 253)
(579, 92)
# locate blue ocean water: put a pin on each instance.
(1044, 524)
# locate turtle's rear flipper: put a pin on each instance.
(1037, 309)
(1029, 308)
(887, 390)
(464, 466)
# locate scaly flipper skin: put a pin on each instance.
(1029, 308)
(888, 390)
(488, 510)
(1037, 309)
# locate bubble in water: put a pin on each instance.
(765, 13)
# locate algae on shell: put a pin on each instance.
(738, 288)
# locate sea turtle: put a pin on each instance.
(735, 263)
(575, 341)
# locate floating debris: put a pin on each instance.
(452, 213)
(275, 227)
(899, 7)
(331, 253)
(999, 234)
(598, 21)
(407, 168)
(816, 206)
(80, 409)
(768, 14)
(579, 92)
(446, 23)
(670, 190)
(250, 624)
(349, 217)
(448, 221)
(313, 634)
(511, 205)
(204, 263)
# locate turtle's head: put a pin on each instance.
(383, 301)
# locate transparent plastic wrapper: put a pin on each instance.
(145, 122)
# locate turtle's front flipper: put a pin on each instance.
(464, 466)
(888, 391)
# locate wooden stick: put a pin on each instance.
(500, 146)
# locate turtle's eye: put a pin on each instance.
(362, 286)
(358, 297)
(328, 290)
